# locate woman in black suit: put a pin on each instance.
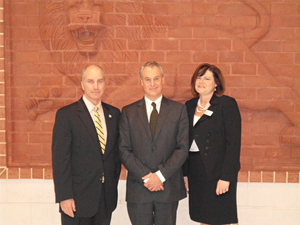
(214, 155)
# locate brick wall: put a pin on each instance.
(256, 44)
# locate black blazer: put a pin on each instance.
(218, 137)
(167, 152)
(78, 163)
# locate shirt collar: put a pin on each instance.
(157, 101)
(90, 106)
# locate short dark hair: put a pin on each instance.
(151, 64)
(218, 77)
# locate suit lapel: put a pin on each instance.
(142, 112)
(109, 127)
(85, 116)
(163, 112)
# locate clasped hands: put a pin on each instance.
(153, 183)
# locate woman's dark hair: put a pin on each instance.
(218, 77)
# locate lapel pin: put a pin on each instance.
(110, 116)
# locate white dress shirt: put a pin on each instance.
(149, 109)
(91, 108)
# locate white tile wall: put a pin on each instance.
(31, 202)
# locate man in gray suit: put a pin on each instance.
(153, 146)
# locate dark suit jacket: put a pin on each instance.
(142, 155)
(78, 163)
(218, 137)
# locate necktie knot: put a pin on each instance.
(154, 105)
(96, 108)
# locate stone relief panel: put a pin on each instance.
(120, 35)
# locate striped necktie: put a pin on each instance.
(99, 130)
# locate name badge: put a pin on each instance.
(208, 112)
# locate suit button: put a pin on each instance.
(207, 141)
(205, 154)
(208, 134)
(195, 135)
(206, 147)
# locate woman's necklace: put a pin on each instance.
(201, 107)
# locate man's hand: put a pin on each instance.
(68, 207)
(222, 187)
(153, 183)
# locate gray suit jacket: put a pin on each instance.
(141, 154)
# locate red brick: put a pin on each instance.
(206, 33)
(192, 44)
(13, 173)
(244, 22)
(296, 152)
(291, 46)
(201, 56)
(268, 177)
(278, 153)
(169, 44)
(282, 34)
(184, 32)
(179, 56)
(265, 140)
(26, 57)
(218, 45)
(291, 70)
(37, 173)
(248, 93)
(191, 21)
(217, 21)
(291, 21)
(255, 176)
(139, 44)
(283, 9)
(128, 7)
(2, 163)
(153, 55)
(119, 19)
(282, 58)
(280, 177)
(293, 177)
(180, 8)
(48, 173)
(40, 138)
(231, 56)
(243, 176)
(267, 46)
(200, 8)
(231, 9)
(25, 173)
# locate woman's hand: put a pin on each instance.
(222, 187)
(186, 184)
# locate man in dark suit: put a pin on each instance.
(153, 146)
(86, 166)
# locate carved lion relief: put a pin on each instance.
(77, 33)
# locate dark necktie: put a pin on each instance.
(153, 119)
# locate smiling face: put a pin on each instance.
(205, 85)
(152, 82)
(93, 84)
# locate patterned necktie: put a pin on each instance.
(99, 130)
(153, 119)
